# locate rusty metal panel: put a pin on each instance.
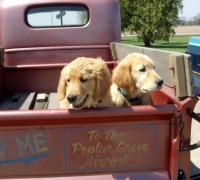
(79, 149)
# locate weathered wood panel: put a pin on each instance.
(53, 101)
(178, 78)
(28, 101)
(189, 75)
(164, 67)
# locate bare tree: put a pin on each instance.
(194, 21)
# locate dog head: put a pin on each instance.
(84, 82)
(136, 72)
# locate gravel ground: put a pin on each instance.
(195, 137)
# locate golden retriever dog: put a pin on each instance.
(84, 83)
(133, 80)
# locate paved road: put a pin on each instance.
(195, 137)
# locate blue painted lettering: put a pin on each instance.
(3, 148)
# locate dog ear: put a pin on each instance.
(122, 77)
(62, 86)
(103, 83)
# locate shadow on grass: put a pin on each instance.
(162, 44)
(168, 47)
(131, 40)
(171, 43)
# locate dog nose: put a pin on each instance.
(71, 98)
(159, 82)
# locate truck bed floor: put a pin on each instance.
(30, 100)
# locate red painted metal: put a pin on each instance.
(73, 148)
(159, 175)
(95, 32)
(57, 48)
(186, 133)
(139, 142)
(86, 116)
(43, 78)
(53, 45)
(53, 56)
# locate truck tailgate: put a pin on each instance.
(117, 142)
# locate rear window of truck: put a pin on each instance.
(58, 15)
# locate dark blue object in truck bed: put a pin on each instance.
(194, 50)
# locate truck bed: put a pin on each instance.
(35, 132)
(30, 101)
(32, 87)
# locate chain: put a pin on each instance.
(178, 116)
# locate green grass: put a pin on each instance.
(177, 43)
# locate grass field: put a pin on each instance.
(177, 43)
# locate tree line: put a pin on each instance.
(150, 20)
(194, 21)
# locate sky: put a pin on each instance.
(190, 8)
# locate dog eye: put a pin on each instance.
(142, 69)
(83, 80)
(68, 80)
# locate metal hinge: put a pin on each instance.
(181, 175)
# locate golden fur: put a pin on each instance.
(136, 77)
(84, 83)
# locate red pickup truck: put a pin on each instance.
(40, 140)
